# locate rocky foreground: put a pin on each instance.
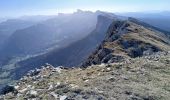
(144, 78)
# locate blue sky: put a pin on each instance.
(47, 7)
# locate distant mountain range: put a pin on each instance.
(53, 33)
(160, 20)
(8, 27)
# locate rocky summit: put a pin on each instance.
(141, 78)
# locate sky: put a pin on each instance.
(12, 8)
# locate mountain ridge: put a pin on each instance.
(115, 40)
(129, 39)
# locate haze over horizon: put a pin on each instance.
(16, 8)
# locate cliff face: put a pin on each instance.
(56, 32)
(126, 39)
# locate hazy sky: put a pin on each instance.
(47, 7)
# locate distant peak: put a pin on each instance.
(79, 11)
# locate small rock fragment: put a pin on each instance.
(64, 97)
